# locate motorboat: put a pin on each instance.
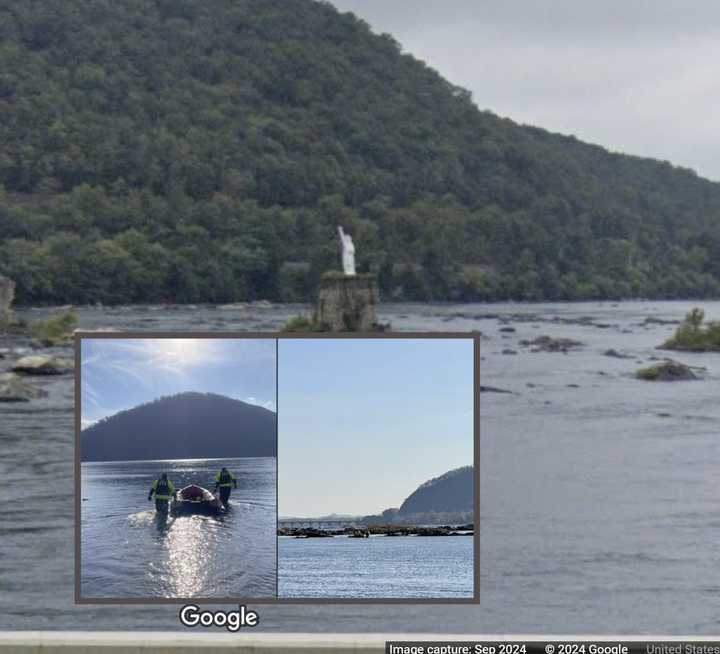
(196, 499)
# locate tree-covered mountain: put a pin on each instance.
(183, 426)
(452, 491)
(446, 499)
(190, 151)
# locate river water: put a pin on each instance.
(600, 493)
(379, 566)
(130, 551)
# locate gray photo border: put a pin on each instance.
(277, 336)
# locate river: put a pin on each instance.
(130, 551)
(599, 492)
(379, 566)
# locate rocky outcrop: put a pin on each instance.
(616, 355)
(14, 389)
(311, 532)
(550, 344)
(7, 294)
(667, 370)
(347, 303)
(42, 364)
(494, 389)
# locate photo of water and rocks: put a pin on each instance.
(546, 175)
(328, 556)
(364, 425)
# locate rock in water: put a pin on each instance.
(550, 344)
(667, 370)
(347, 303)
(41, 364)
(13, 389)
(493, 389)
(617, 355)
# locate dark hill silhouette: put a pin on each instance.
(184, 426)
(451, 493)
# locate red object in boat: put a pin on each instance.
(192, 492)
(196, 499)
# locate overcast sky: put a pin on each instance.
(636, 76)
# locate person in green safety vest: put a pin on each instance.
(225, 480)
(164, 490)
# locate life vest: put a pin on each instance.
(224, 479)
(163, 489)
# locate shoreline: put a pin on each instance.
(377, 530)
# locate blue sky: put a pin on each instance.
(361, 423)
(118, 374)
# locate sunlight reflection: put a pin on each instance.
(179, 352)
(188, 550)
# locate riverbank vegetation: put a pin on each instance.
(180, 151)
(695, 335)
(667, 370)
(58, 329)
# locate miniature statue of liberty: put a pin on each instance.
(348, 252)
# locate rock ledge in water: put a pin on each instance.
(616, 355)
(42, 364)
(551, 344)
(13, 389)
(493, 389)
(667, 370)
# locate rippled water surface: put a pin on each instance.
(600, 494)
(412, 566)
(130, 551)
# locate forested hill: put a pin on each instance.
(450, 492)
(183, 426)
(191, 151)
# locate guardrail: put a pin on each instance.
(76, 642)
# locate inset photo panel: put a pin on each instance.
(378, 476)
(176, 464)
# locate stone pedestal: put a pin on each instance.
(7, 293)
(347, 303)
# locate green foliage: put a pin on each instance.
(58, 329)
(187, 151)
(649, 373)
(693, 336)
(300, 324)
(694, 319)
(667, 371)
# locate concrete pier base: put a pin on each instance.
(347, 303)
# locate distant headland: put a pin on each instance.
(183, 426)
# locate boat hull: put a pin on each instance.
(193, 500)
